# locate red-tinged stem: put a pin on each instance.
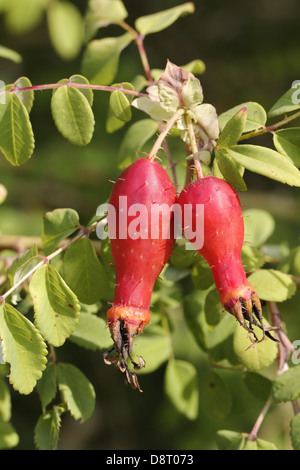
(139, 39)
(258, 423)
(50, 86)
(197, 163)
(45, 259)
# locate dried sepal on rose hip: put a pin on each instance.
(223, 238)
(140, 226)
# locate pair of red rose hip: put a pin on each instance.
(139, 258)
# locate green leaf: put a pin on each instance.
(259, 226)
(120, 105)
(201, 275)
(152, 108)
(295, 432)
(8, 436)
(87, 92)
(213, 307)
(258, 444)
(286, 386)
(76, 391)
(215, 397)
(291, 264)
(206, 116)
(21, 16)
(161, 20)
(91, 332)
(26, 97)
(7, 53)
(260, 355)
(72, 115)
(230, 169)
(259, 385)
(46, 431)
(16, 135)
(230, 440)
(266, 162)
(22, 264)
(290, 101)
(287, 142)
(56, 307)
(154, 346)
(102, 13)
(84, 273)
(135, 138)
(46, 386)
(23, 347)
(233, 129)
(5, 401)
(252, 258)
(57, 225)
(181, 387)
(256, 116)
(272, 285)
(182, 258)
(101, 58)
(66, 28)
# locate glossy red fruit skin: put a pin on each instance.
(223, 235)
(138, 262)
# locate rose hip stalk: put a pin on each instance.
(142, 239)
(223, 241)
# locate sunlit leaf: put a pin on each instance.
(72, 115)
(57, 225)
(257, 357)
(91, 332)
(289, 101)
(259, 226)
(102, 13)
(84, 273)
(287, 142)
(23, 348)
(8, 435)
(56, 307)
(256, 116)
(66, 28)
(16, 135)
(266, 162)
(7, 53)
(272, 285)
(295, 432)
(161, 20)
(101, 58)
(286, 387)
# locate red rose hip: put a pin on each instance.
(140, 225)
(222, 244)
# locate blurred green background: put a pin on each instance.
(251, 51)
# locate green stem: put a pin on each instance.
(159, 141)
(272, 128)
